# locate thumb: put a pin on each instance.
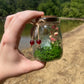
(28, 66)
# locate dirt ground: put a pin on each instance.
(68, 70)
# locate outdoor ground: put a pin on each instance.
(68, 70)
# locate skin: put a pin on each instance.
(12, 61)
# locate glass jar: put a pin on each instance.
(46, 40)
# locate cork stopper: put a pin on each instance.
(49, 18)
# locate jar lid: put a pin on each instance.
(49, 18)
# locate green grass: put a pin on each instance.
(46, 53)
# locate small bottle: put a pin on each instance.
(47, 39)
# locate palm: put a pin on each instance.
(14, 62)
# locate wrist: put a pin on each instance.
(2, 77)
(2, 80)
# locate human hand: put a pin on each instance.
(12, 61)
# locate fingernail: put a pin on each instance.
(42, 12)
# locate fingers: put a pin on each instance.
(16, 24)
(8, 20)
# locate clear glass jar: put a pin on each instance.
(46, 39)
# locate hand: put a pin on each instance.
(12, 62)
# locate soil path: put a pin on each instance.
(68, 70)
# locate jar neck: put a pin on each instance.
(43, 22)
(48, 20)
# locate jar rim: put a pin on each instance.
(49, 18)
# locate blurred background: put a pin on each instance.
(59, 8)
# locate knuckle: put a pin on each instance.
(4, 39)
(20, 18)
(8, 17)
